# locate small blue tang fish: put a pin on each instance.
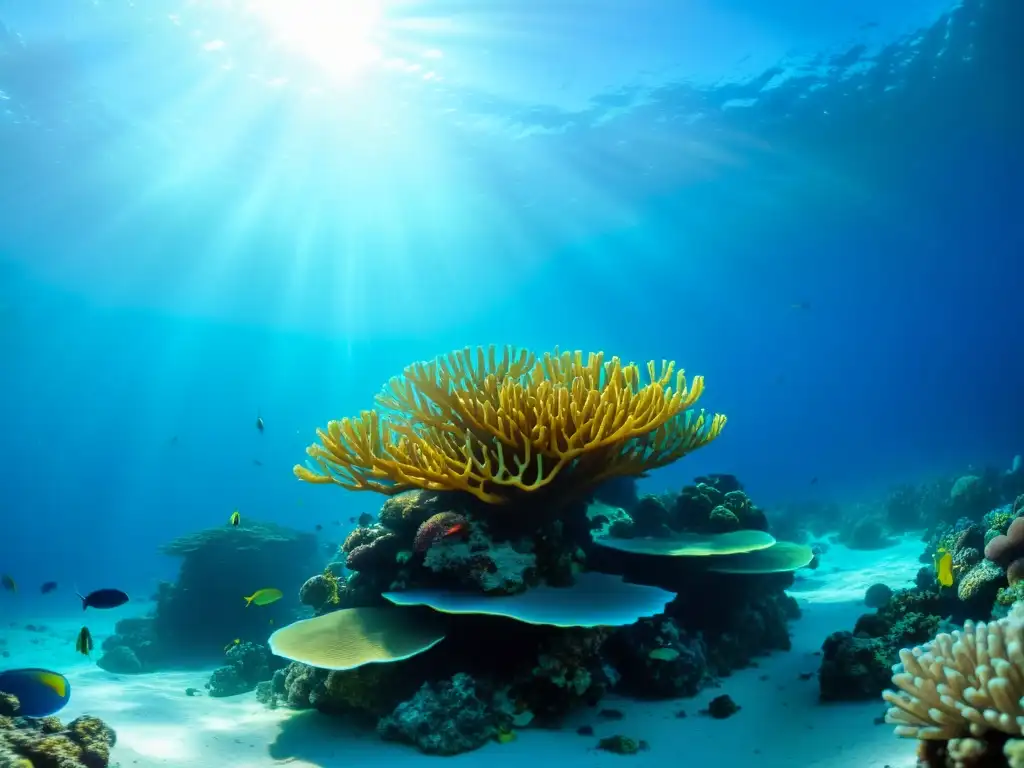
(40, 692)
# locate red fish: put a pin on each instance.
(439, 527)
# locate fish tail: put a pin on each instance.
(248, 600)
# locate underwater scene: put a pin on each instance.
(606, 383)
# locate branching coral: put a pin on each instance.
(473, 422)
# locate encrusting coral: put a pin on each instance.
(963, 692)
(492, 426)
(85, 742)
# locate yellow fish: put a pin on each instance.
(264, 597)
(235, 518)
(231, 645)
(943, 567)
(83, 644)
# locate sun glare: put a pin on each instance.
(340, 36)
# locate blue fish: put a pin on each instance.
(40, 692)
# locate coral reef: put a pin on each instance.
(248, 665)
(486, 540)
(658, 660)
(857, 665)
(713, 504)
(444, 718)
(85, 742)
(204, 609)
(368, 691)
(481, 563)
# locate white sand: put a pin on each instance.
(781, 722)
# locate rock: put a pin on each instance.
(121, 660)
(877, 595)
(721, 707)
(853, 668)
(445, 718)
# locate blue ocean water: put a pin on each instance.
(214, 211)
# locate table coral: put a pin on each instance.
(491, 427)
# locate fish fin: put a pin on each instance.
(248, 600)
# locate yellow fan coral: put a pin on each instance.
(491, 426)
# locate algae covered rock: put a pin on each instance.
(85, 742)
(854, 668)
(981, 583)
(658, 660)
(120, 660)
(877, 596)
(445, 718)
(248, 665)
(479, 562)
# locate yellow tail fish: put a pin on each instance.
(943, 561)
(264, 597)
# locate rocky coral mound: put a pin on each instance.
(446, 718)
(85, 742)
(195, 615)
(857, 665)
(248, 665)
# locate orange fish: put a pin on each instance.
(438, 527)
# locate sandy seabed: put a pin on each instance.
(781, 722)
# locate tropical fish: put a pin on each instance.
(40, 692)
(259, 423)
(319, 527)
(943, 567)
(235, 518)
(264, 597)
(104, 598)
(438, 527)
(365, 520)
(8, 583)
(231, 645)
(48, 587)
(663, 654)
(83, 644)
(504, 736)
